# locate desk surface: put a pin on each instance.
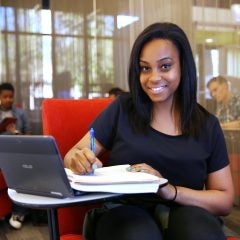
(35, 201)
(232, 129)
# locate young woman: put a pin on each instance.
(159, 128)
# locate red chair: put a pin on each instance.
(68, 120)
(5, 202)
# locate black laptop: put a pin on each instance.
(32, 164)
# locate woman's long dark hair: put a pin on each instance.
(192, 115)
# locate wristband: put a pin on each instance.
(175, 196)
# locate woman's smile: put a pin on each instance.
(156, 90)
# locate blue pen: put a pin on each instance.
(92, 147)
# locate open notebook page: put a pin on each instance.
(116, 179)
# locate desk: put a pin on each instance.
(51, 205)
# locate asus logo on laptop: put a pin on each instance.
(27, 166)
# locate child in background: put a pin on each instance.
(22, 126)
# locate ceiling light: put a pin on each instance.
(209, 40)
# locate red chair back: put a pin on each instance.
(5, 202)
(67, 121)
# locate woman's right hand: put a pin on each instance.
(82, 161)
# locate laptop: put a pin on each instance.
(32, 164)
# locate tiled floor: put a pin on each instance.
(32, 229)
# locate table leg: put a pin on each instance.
(53, 224)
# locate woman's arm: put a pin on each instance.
(217, 198)
(80, 158)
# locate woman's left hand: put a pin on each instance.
(143, 167)
(167, 192)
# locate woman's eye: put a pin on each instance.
(144, 69)
(166, 66)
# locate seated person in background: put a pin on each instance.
(114, 92)
(228, 104)
(22, 126)
(7, 109)
(159, 128)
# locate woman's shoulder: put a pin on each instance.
(117, 108)
(210, 119)
(124, 100)
(204, 111)
(125, 97)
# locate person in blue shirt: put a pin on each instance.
(159, 128)
(7, 109)
(22, 126)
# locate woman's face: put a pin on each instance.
(6, 99)
(160, 71)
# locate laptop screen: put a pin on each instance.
(32, 164)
